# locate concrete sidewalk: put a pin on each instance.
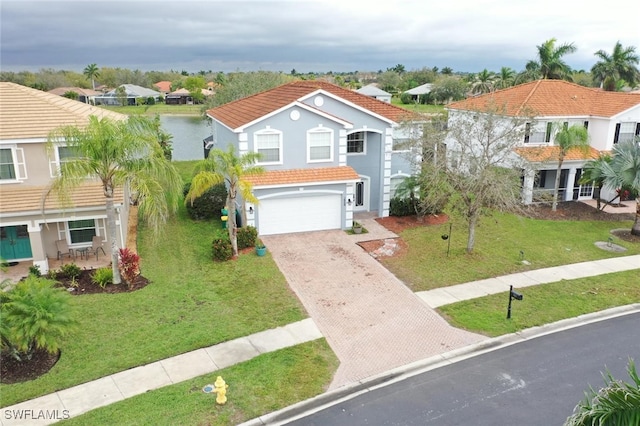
(447, 295)
(104, 391)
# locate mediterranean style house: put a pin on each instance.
(609, 117)
(30, 223)
(327, 151)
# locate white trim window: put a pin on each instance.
(626, 132)
(538, 133)
(12, 166)
(356, 143)
(81, 231)
(319, 145)
(268, 143)
(63, 153)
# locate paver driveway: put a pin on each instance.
(371, 320)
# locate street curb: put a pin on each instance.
(320, 402)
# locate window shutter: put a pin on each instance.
(21, 168)
(637, 129)
(617, 133)
(527, 132)
(586, 124)
(547, 136)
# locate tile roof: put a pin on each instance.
(553, 98)
(19, 198)
(293, 176)
(541, 154)
(30, 113)
(163, 86)
(243, 111)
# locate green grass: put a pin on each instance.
(156, 109)
(544, 304)
(421, 108)
(264, 384)
(499, 240)
(192, 302)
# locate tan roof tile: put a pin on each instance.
(283, 177)
(18, 198)
(541, 154)
(553, 98)
(30, 113)
(243, 111)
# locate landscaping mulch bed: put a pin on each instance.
(13, 371)
(84, 285)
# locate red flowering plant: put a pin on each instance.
(129, 264)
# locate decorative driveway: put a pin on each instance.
(371, 320)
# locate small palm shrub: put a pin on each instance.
(402, 206)
(246, 237)
(617, 403)
(35, 315)
(102, 276)
(221, 246)
(129, 264)
(70, 270)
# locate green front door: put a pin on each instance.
(14, 242)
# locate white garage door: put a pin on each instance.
(310, 213)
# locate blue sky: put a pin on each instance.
(318, 36)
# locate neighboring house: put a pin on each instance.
(416, 92)
(29, 223)
(327, 151)
(163, 87)
(87, 96)
(610, 117)
(183, 97)
(373, 91)
(133, 93)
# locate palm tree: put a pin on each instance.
(505, 78)
(91, 72)
(593, 172)
(619, 65)
(550, 60)
(567, 138)
(483, 82)
(617, 403)
(226, 167)
(119, 153)
(624, 172)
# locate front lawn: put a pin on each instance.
(262, 385)
(544, 304)
(191, 303)
(500, 239)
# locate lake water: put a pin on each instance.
(188, 133)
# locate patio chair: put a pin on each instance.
(64, 250)
(96, 247)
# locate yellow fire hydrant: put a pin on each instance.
(221, 389)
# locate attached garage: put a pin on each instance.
(299, 214)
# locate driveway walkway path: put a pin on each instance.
(371, 320)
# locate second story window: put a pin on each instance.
(12, 164)
(268, 144)
(538, 133)
(319, 145)
(355, 143)
(626, 132)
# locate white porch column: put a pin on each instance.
(568, 192)
(37, 248)
(527, 186)
(349, 200)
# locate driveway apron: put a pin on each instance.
(371, 320)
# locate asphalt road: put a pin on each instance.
(536, 382)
